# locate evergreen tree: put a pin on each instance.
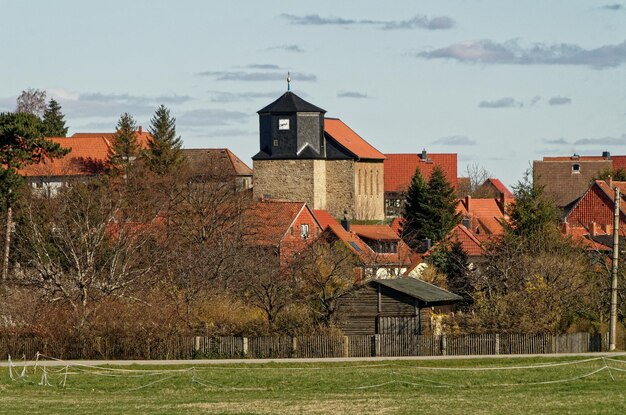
(22, 143)
(53, 121)
(430, 209)
(124, 148)
(456, 268)
(164, 149)
(415, 212)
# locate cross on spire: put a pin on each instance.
(288, 81)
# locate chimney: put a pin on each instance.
(593, 230)
(608, 229)
(345, 223)
(424, 155)
(502, 202)
(609, 180)
(140, 130)
(606, 155)
(468, 199)
(426, 245)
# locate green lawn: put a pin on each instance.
(516, 386)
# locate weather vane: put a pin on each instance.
(288, 81)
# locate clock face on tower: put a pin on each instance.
(283, 124)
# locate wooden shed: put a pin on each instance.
(392, 306)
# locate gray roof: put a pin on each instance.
(421, 290)
(290, 102)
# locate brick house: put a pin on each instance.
(321, 161)
(285, 227)
(565, 179)
(400, 169)
(594, 210)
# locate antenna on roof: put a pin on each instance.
(288, 81)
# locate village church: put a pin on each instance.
(307, 157)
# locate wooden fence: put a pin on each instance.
(301, 346)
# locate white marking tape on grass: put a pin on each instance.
(472, 369)
(208, 384)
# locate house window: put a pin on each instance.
(304, 231)
(575, 168)
(291, 231)
(275, 143)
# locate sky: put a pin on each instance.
(500, 83)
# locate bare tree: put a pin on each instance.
(32, 101)
(77, 248)
(476, 175)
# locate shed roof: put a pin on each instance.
(419, 289)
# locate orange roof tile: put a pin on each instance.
(484, 213)
(470, 244)
(375, 232)
(143, 137)
(350, 140)
(400, 168)
(87, 156)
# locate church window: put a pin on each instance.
(371, 182)
(377, 182)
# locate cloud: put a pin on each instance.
(535, 100)
(351, 94)
(560, 101)
(211, 117)
(506, 102)
(422, 22)
(513, 53)
(455, 140)
(223, 96)
(263, 66)
(288, 48)
(608, 141)
(257, 76)
(554, 141)
(417, 22)
(229, 132)
(613, 7)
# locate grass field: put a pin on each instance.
(512, 386)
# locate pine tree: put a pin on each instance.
(441, 203)
(53, 120)
(164, 149)
(430, 209)
(415, 215)
(124, 148)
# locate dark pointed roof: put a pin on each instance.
(290, 102)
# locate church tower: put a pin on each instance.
(291, 162)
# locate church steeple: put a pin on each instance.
(291, 128)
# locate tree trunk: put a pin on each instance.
(7, 243)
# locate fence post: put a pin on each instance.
(375, 345)
(444, 345)
(244, 346)
(294, 345)
(196, 344)
(497, 343)
(346, 346)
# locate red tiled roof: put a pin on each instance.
(354, 243)
(571, 158)
(350, 140)
(619, 162)
(267, 222)
(483, 213)
(396, 225)
(400, 168)
(470, 244)
(143, 137)
(500, 187)
(88, 156)
(375, 232)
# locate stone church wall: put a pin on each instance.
(340, 187)
(370, 200)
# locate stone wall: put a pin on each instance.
(340, 187)
(294, 180)
(369, 201)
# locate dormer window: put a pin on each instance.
(575, 168)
